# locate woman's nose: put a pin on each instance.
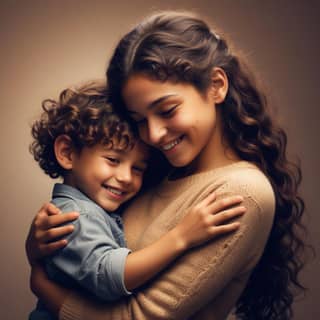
(155, 132)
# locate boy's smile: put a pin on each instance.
(109, 177)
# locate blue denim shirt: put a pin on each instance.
(96, 254)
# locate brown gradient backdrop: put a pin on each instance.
(48, 45)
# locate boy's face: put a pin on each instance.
(109, 177)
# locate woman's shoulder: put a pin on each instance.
(247, 177)
(249, 181)
(240, 178)
(239, 175)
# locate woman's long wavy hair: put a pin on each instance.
(180, 47)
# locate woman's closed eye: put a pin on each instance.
(168, 112)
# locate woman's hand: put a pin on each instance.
(209, 219)
(46, 231)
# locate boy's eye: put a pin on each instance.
(112, 160)
(139, 170)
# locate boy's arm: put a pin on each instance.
(203, 222)
(144, 264)
(92, 257)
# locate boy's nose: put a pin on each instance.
(124, 175)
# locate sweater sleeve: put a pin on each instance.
(202, 274)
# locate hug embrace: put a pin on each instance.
(178, 199)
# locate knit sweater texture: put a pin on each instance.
(206, 281)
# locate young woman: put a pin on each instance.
(192, 98)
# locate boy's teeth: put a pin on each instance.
(171, 144)
(117, 192)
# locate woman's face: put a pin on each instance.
(173, 117)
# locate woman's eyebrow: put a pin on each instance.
(156, 102)
(160, 100)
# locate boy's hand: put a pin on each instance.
(209, 219)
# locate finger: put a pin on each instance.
(52, 209)
(54, 233)
(208, 199)
(49, 248)
(224, 216)
(41, 220)
(57, 220)
(227, 228)
(49, 209)
(224, 203)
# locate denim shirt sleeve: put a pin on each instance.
(93, 258)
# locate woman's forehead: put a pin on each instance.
(141, 92)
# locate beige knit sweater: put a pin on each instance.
(205, 282)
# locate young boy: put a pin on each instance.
(102, 162)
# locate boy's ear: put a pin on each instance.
(219, 85)
(63, 150)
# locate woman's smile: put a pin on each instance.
(170, 146)
(172, 117)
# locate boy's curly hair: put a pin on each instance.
(83, 114)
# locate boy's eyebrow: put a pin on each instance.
(114, 149)
(124, 151)
(156, 102)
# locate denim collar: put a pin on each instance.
(64, 190)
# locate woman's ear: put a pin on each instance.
(63, 150)
(219, 85)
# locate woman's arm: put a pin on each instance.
(47, 291)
